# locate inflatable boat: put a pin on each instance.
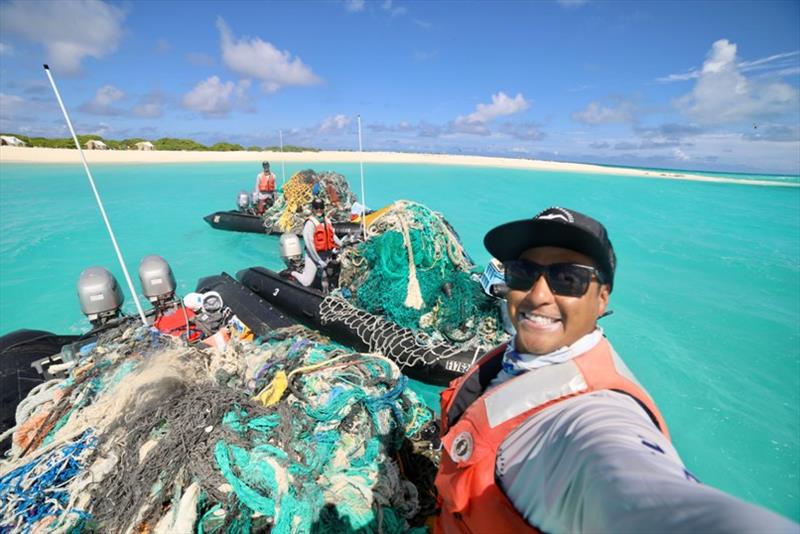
(237, 221)
(417, 356)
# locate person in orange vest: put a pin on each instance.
(265, 189)
(321, 244)
(551, 432)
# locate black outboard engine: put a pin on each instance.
(158, 282)
(99, 295)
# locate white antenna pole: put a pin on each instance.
(97, 197)
(283, 163)
(361, 164)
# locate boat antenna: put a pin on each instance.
(97, 197)
(283, 163)
(361, 164)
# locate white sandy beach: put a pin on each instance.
(9, 154)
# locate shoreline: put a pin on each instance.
(10, 154)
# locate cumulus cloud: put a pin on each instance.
(103, 102)
(334, 123)
(595, 114)
(260, 60)
(354, 6)
(69, 31)
(162, 46)
(680, 154)
(150, 106)
(5, 49)
(775, 132)
(783, 64)
(213, 98)
(723, 95)
(501, 105)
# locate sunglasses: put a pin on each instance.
(564, 279)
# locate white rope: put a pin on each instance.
(97, 197)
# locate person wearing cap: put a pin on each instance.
(265, 188)
(551, 432)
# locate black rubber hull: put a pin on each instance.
(304, 304)
(236, 221)
(18, 350)
(258, 314)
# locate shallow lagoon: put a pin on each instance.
(706, 304)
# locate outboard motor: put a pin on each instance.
(99, 295)
(291, 251)
(243, 201)
(158, 283)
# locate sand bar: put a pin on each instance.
(10, 154)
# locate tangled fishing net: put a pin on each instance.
(291, 209)
(149, 434)
(414, 271)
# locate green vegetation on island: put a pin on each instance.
(165, 143)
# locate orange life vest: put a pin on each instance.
(174, 323)
(475, 423)
(323, 235)
(266, 182)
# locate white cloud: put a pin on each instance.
(5, 49)
(69, 31)
(103, 101)
(595, 114)
(394, 10)
(680, 154)
(424, 24)
(149, 106)
(335, 123)
(213, 98)
(501, 105)
(783, 64)
(722, 94)
(354, 5)
(258, 59)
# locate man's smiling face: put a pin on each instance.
(545, 321)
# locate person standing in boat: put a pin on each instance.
(265, 189)
(551, 432)
(321, 244)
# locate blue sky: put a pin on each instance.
(692, 85)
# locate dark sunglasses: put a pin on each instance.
(564, 279)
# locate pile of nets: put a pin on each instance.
(292, 208)
(413, 270)
(292, 434)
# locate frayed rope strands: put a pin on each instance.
(38, 491)
(291, 208)
(179, 445)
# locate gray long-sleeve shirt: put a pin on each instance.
(597, 463)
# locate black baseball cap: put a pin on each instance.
(555, 227)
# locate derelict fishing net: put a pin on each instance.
(296, 434)
(292, 207)
(414, 271)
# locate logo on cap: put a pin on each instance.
(554, 213)
(461, 451)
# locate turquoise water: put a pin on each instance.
(707, 299)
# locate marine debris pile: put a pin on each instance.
(291, 209)
(290, 434)
(414, 271)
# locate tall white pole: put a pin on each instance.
(97, 197)
(363, 197)
(283, 163)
